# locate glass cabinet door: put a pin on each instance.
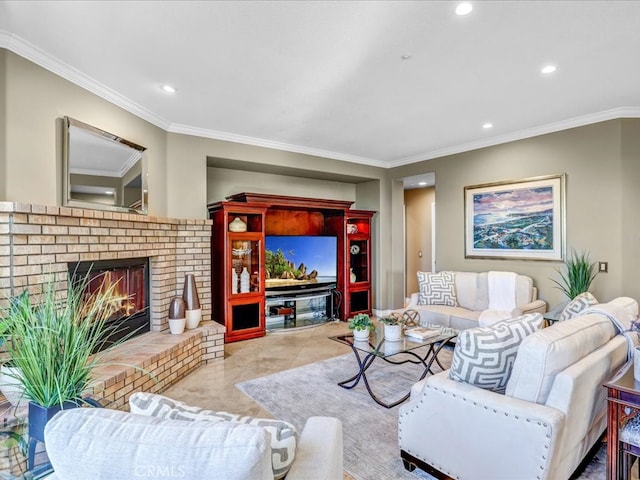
(245, 266)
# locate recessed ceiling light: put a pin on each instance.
(108, 192)
(168, 89)
(422, 184)
(464, 8)
(487, 125)
(548, 69)
(405, 57)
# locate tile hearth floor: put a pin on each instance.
(212, 386)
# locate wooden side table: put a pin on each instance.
(623, 399)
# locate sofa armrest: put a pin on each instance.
(537, 306)
(319, 454)
(413, 300)
(499, 437)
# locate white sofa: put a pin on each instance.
(472, 295)
(553, 411)
(102, 444)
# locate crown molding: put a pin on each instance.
(41, 58)
(259, 142)
(23, 48)
(622, 112)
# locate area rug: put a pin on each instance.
(370, 431)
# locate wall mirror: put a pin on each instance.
(102, 170)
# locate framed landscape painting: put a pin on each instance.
(521, 219)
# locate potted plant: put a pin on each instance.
(392, 327)
(580, 273)
(52, 340)
(361, 324)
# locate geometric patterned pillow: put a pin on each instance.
(577, 305)
(484, 356)
(437, 289)
(283, 434)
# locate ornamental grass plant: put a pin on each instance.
(53, 339)
(578, 275)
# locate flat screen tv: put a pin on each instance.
(319, 253)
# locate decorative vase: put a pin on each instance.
(234, 280)
(245, 281)
(393, 333)
(177, 315)
(636, 363)
(237, 225)
(193, 311)
(11, 386)
(361, 335)
(352, 276)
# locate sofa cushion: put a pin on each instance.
(484, 356)
(551, 350)
(471, 290)
(121, 445)
(577, 305)
(437, 288)
(283, 434)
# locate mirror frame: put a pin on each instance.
(67, 200)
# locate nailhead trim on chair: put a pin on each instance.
(475, 403)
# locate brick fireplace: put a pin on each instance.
(36, 239)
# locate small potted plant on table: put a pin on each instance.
(362, 325)
(392, 327)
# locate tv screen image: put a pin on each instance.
(319, 253)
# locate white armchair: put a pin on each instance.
(552, 414)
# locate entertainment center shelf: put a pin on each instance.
(241, 293)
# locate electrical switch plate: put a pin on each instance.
(603, 267)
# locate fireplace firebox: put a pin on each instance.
(131, 276)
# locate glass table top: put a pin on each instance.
(380, 347)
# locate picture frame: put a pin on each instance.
(517, 219)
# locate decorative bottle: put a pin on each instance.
(245, 281)
(234, 281)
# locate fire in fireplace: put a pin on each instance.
(131, 279)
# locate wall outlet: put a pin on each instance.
(603, 267)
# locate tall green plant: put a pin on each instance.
(53, 340)
(579, 275)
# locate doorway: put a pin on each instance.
(419, 208)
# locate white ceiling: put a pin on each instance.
(327, 77)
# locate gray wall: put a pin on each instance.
(3, 124)
(222, 182)
(601, 166)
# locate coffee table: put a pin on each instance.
(407, 350)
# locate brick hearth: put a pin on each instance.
(36, 239)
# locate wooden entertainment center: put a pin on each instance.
(240, 226)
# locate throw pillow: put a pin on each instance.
(484, 356)
(437, 289)
(577, 305)
(283, 434)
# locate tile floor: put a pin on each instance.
(212, 386)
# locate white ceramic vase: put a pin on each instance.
(176, 325)
(393, 333)
(361, 335)
(193, 318)
(245, 281)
